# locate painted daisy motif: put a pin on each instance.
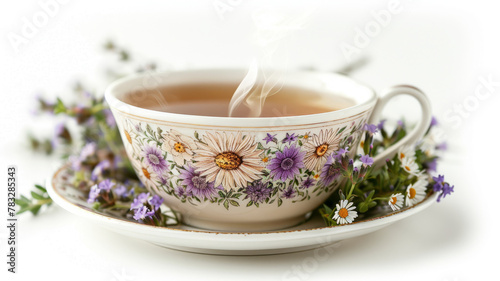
(129, 135)
(345, 212)
(319, 147)
(396, 201)
(230, 160)
(416, 192)
(148, 177)
(179, 146)
(153, 156)
(409, 165)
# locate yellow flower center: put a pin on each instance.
(407, 168)
(412, 192)
(228, 160)
(362, 143)
(127, 135)
(265, 159)
(146, 173)
(394, 200)
(343, 213)
(316, 176)
(322, 149)
(402, 155)
(306, 136)
(179, 147)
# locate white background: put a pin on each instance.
(444, 48)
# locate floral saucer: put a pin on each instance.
(309, 235)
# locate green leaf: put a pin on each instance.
(280, 202)
(234, 203)
(249, 203)
(37, 196)
(340, 131)
(59, 107)
(41, 188)
(226, 204)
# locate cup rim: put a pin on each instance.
(116, 104)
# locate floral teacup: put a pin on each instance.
(247, 174)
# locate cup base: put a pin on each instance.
(245, 226)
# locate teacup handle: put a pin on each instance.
(417, 133)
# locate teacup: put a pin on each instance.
(247, 174)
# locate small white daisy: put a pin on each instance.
(396, 201)
(406, 152)
(345, 212)
(416, 192)
(410, 166)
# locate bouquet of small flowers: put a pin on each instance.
(102, 170)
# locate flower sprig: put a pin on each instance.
(403, 181)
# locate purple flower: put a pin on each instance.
(341, 153)
(438, 186)
(370, 128)
(88, 150)
(153, 157)
(442, 146)
(180, 191)
(434, 121)
(329, 172)
(139, 201)
(110, 120)
(106, 185)
(401, 123)
(99, 168)
(447, 190)
(76, 164)
(196, 184)
(143, 213)
(93, 194)
(289, 138)
(269, 138)
(366, 160)
(432, 165)
(381, 124)
(307, 183)
(258, 191)
(289, 193)
(156, 202)
(120, 191)
(285, 165)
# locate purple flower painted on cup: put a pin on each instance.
(329, 172)
(94, 192)
(258, 191)
(288, 193)
(196, 184)
(285, 165)
(153, 157)
(307, 183)
(289, 138)
(270, 138)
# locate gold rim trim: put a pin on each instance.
(239, 128)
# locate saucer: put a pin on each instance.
(308, 235)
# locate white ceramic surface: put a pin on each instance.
(309, 235)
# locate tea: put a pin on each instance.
(213, 100)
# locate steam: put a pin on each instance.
(262, 79)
